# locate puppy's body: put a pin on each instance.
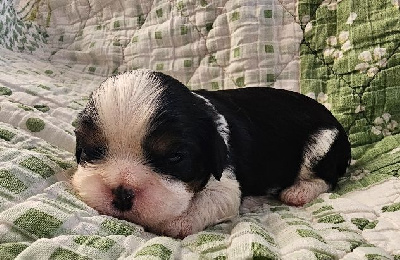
(176, 161)
(278, 136)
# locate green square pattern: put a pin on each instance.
(236, 52)
(214, 85)
(235, 16)
(37, 166)
(156, 250)
(6, 135)
(269, 48)
(363, 223)
(209, 26)
(38, 223)
(240, 82)
(118, 228)
(260, 251)
(206, 238)
(322, 209)
(26, 108)
(184, 30)
(35, 124)
(140, 20)
(10, 251)
(158, 35)
(11, 183)
(4, 91)
(391, 208)
(101, 243)
(187, 63)
(270, 78)
(212, 59)
(267, 13)
(262, 232)
(323, 256)
(309, 233)
(159, 13)
(64, 254)
(333, 218)
(180, 5)
(160, 66)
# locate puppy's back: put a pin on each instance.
(270, 132)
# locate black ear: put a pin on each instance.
(84, 121)
(219, 157)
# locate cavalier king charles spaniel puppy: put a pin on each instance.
(175, 161)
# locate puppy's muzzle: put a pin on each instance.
(123, 198)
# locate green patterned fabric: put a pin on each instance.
(343, 53)
(350, 63)
(17, 34)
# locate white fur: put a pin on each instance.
(124, 112)
(217, 202)
(304, 191)
(318, 145)
(253, 203)
(307, 186)
(157, 199)
(124, 115)
(222, 124)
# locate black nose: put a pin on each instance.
(122, 198)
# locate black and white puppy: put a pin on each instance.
(152, 152)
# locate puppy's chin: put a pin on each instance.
(156, 202)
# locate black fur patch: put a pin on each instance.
(183, 141)
(269, 130)
(90, 142)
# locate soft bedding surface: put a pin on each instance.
(343, 53)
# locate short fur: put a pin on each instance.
(175, 161)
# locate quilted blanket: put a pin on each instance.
(343, 53)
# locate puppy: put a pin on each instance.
(174, 161)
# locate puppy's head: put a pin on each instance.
(145, 145)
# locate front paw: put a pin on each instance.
(181, 228)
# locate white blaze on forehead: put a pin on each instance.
(125, 105)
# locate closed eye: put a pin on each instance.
(175, 158)
(92, 154)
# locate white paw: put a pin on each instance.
(295, 197)
(180, 228)
(303, 192)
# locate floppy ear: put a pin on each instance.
(219, 157)
(84, 121)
